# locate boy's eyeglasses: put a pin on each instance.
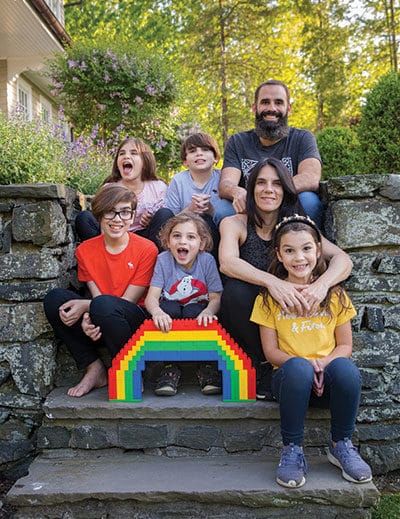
(125, 214)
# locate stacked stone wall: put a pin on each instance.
(37, 246)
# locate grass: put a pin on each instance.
(388, 507)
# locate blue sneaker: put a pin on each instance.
(292, 468)
(345, 456)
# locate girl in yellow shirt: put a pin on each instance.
(311, 356)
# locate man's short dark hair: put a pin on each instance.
(272, 82)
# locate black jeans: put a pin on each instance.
(118, 320)
(236, 306)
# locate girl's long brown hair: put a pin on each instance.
(149, 161)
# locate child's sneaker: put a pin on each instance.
(209, 379)
(345, 456)
(292, 468)
(167, 382)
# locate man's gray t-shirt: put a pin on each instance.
(243, 150)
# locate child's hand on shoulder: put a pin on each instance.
(162, 320)
(206, 317)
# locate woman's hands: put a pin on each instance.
(303, 300)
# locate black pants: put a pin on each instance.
(178, 311)
(118, 320)
(236, 307)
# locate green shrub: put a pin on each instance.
(33, 151)
(379, 131)
(339, 149)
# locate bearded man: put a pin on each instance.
(271, 137)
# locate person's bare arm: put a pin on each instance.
(133, 293)
(161, 319)
(269, 342)
(344, 345)
(71, 311)
(93, 289)
(308, 175)
(233, 231)
(229, 188)
(210, 311)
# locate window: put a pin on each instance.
(55, 6)
(45, 110)
(24, 98)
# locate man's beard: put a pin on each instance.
(271, 130)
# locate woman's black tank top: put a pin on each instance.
(255, 250)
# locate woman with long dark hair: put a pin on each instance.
(244, 256)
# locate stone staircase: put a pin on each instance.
(187, 456)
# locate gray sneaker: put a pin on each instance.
(292, 468)
(345, 456)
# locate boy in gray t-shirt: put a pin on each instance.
(196, 188)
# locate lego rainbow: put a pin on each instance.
(186, 341)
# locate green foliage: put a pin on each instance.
(379, 130)
(339, 149)
(388, 507)
(121, 89)
(32, 151)
(329, 53)
(325, 43)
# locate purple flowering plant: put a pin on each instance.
(111, 86)
(34, 151)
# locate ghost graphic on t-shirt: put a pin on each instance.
(187, 290)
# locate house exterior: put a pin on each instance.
(31, 31)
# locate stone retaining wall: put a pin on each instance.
(37, 253)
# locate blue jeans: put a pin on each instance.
(292, 387)
(312, 206)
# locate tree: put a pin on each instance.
(324, 49)
(380, 21)
(327, 52)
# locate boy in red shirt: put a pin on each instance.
(117, 267)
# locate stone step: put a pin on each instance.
(188, 423)
(121, 485)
